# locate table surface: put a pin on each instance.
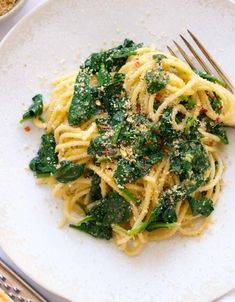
(6, 25)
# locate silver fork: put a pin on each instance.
(201, 61)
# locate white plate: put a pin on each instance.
(71, 263)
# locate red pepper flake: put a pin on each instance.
(203, 110)
(106, 152)
(137, 63)
(148, 142)
(103, 126)
(146, 157)
(27, 128)
(217, 119)
(161, 144)
(158, 97)
(138, 108)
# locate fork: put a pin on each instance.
(199, 59)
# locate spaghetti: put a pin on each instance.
(144, 130)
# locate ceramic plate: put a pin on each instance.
(51, 41)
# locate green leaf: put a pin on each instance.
(130, 195)
(164, 213)
(94, 229)
(189, 159)
(44, 164)
(129, 171)
(216, 103)
(203, 206)
(35, 109)
(216, 128)
(158, 57)
(116, 133)
(188, 102)
(83, 104)
(210, 77)
(159, 225)
(156, 80)
(113, 209)
(68, 171)
(95, 190)
(103, 76)
(164, 128)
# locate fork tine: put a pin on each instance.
(200, 61)
(171, 52)
(212, 61)
(183, 53)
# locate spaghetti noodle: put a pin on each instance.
(144, 129)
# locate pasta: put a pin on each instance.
(154, 143)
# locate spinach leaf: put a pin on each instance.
(113, 209)
(216, 128)
(35, 109)
(210, 77)
(95, 190)
(103, 76)
(95, 229)
(83, 104)
(165, 129)
(117, 131)
(111, 58)
(68, 171)
(164, 214)
(188, 102)
(45, 162)
(216, 103)
(203, 206)
(125, 52)
(101, 146)
(189, 159)
(129, 171)
(156, 80)
(191, 131)
(147, 147)
(158, 57)
(130, 195)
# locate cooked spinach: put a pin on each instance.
(95, 190)
(189, 159)
(95, 229)
(158, 57)
(114, 57)
(83, 104)
(103, 76)
(188, 102)
(164, 128)
(216, 128)
(35, 110)
(156, 80)
(129, 171)
(216, 103)
(44, 164)
(101, 145)
(203, 206)
(191, 129)
(68, 171)
(165, 212)
(113, 209)
(147, 147)
(130, 195)
(210, 77)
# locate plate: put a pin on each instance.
(53, 40)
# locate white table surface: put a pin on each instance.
(5, 26)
